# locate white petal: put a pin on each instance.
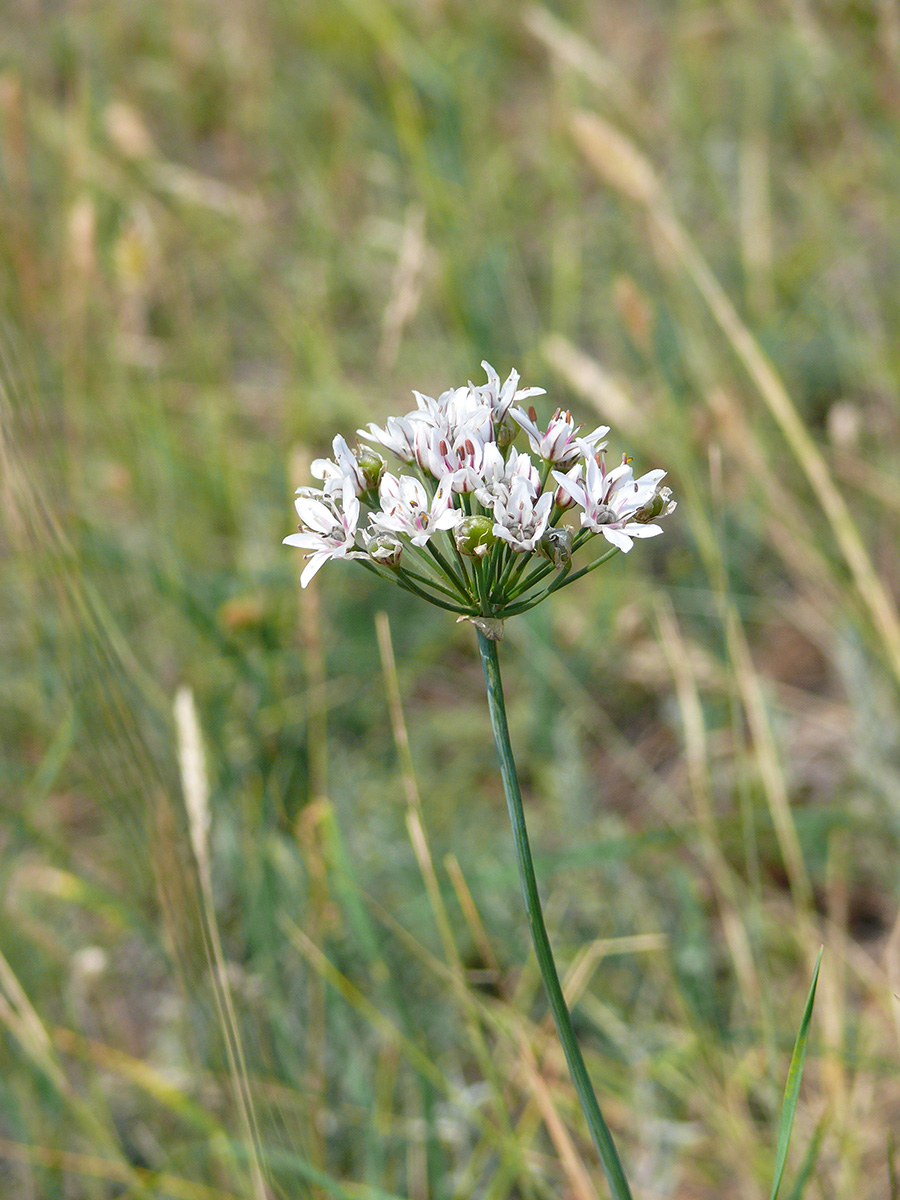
(652, 478)
(508, 391)
(595, 435)
(350, 504)
(619, 476)
(522, 419)
(388, 523)
(636, 530)
(493, 377)
(317, 561)
(448, 519)
(315, 515)
(616, 537)
(305, 541)
(543, 506)
(570, 487)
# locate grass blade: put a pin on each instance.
(792, 1088)
(809, 1162)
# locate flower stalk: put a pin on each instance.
(609, 1157)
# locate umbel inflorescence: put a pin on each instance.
(470, 521)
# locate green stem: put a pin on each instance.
(430, 582)
(500, 590)
(480, 588)
(460, 561)
(565, 580)
(426, 560)
(493, 563)
(400, 577)
(598, 1127)
(540, 572)
(447, 569)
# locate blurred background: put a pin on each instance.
(230, 231)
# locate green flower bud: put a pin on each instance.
(371, 465)
(385, 550)
(659, 506)
(475, 536)
(556, 544)
(506, 433)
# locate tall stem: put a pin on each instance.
(598, 1127)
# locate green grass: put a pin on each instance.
(211, 221)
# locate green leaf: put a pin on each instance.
(809, 1161)
(792, 1087)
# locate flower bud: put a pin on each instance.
(506, 433)
(385, 550)
(475, 536)
(562, 499)
(556, 544)
(660, 505)
(371, 467)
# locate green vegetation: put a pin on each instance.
(230, 231)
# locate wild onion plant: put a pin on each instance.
(478, 526)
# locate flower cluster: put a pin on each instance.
(475, 524)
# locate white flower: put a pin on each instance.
(511, 489)
(461, 445)
(501, 399)
(519, 517)
(499, 473)
(560, 444)
(456, 410)
(612, 499)
(458, 413)
(461, 457)
(334, 473)
(327, 528)
(575, 479)
(405, 508)
(397, 435)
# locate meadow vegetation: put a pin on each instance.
(231, 231)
